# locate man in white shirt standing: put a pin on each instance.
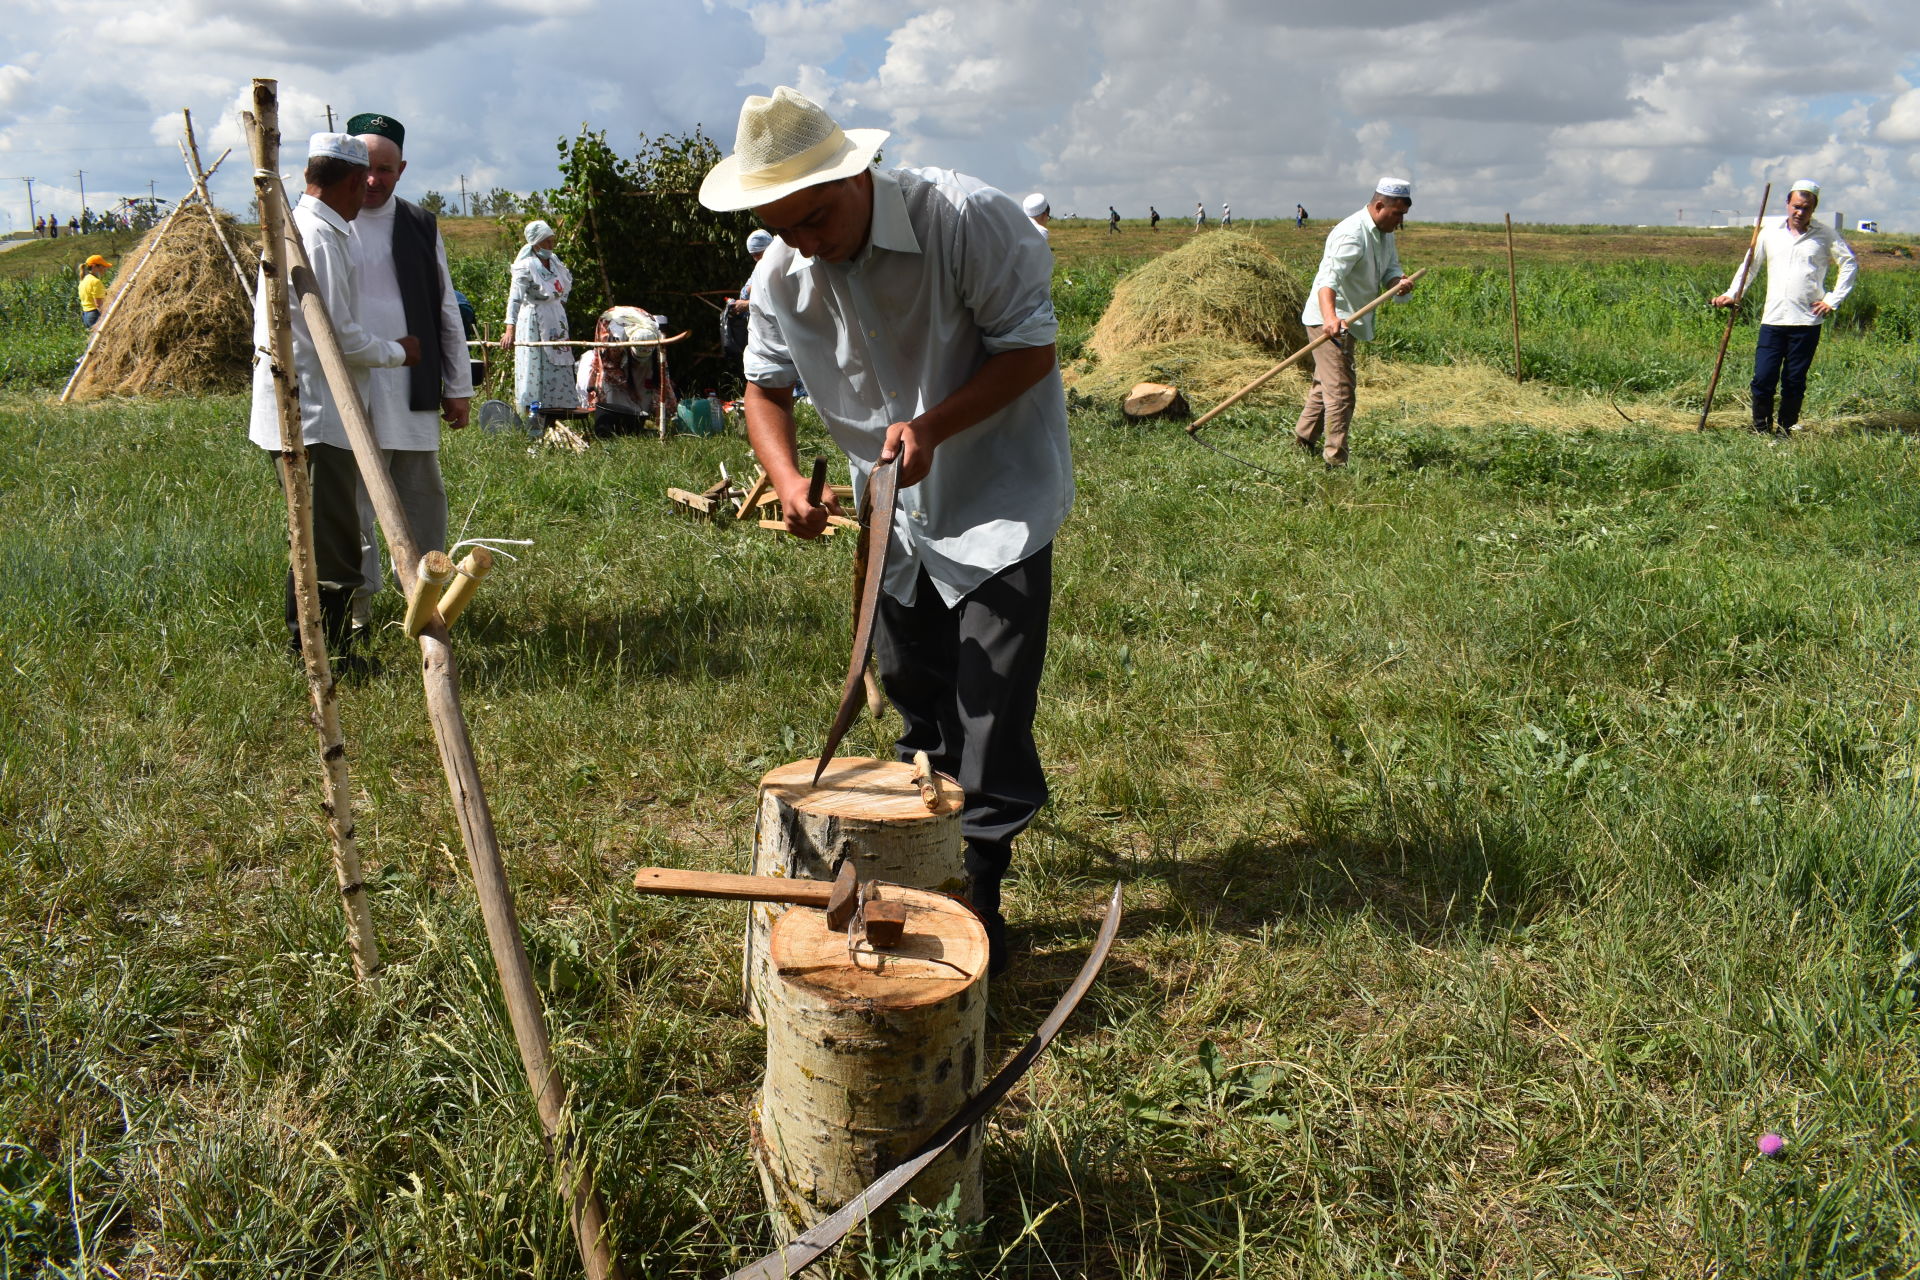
(916, 305)
(1360, 262)
(1800, 251)
(405, 288)
(336, 179)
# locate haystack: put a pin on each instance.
(186, 328)
(1208, 318)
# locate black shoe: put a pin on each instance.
(1308, 447)
(1763, 426)
(999, 949)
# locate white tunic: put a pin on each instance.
(1797, 267)
(325, 235)
(397, 425)
(1358, 263)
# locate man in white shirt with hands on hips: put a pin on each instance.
(1360, 262)
(1798, 252)
(405, 288)
(336, 179)
(916, 306)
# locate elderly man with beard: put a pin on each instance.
(1801, 252)
(405, 289)
(336, 189)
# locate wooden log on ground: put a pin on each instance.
(1154, 400)
(868, 1053)
(864, 809)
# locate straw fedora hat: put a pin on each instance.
(785, 144)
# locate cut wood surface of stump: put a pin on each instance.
(868, 810)
(868, 1053)
(1154, 399)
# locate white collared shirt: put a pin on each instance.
(953, 272)
(1358, 262)
(396, 423)
(1797, 271)
(325, 235)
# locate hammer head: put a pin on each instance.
(845, 896)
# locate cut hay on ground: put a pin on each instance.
(186, 328)
(1208, 318)
(1474, 395)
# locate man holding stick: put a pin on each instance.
(1798, 302)
(405, 288)
(916, 306)
(336, 179)
(1359, 262)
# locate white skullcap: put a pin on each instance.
(339, 146)
(1034, 205)
(1807, 185)
(760, 240)
(1394, 188)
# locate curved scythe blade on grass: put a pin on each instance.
(811, 1245)
(1193, 428)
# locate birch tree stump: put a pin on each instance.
(868, 1053)
(864, 809)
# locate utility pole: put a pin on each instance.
(151, 198)
(465, 210)
(82, 175)
(29, 182)
(329, 117)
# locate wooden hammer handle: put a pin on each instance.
(709, 884)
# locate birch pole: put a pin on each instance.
(442, 683)
(190, 152)
(1513, 297)
(1733, 310)
(336, 793)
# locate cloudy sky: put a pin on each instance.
(1603, 110)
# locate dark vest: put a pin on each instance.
(416, 268)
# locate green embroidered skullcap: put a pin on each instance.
(386, 126)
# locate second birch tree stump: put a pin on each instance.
(868, 1053)
(864, 809)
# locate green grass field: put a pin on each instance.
(1513, 829)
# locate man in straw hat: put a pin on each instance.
(405, 289)
(1358, 264)
(916, 305)
(1801, 252)
(336, 179)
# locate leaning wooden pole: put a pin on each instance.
(1733, 311)
(335, 788)
(190, 152)
(441, 678)
(1513, 297)
(1293, 359)
(121, 289)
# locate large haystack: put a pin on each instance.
(1208, 317)
(186, 328)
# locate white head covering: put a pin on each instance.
(1807, 185)
(1394, 188)
(533, 233)
(1035, 205)
(338, 146)
(785, 144)
(759, 241)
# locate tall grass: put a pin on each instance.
(1513, 830)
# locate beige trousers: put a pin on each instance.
(1329, 406)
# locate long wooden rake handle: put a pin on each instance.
(1295, 358)
(1733, 312)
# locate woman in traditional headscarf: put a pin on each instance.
(537, 312)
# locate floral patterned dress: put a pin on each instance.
(537, 310)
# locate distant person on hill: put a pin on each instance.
(39, 227)
(917, 304)
(1299, 216)
(53, 227)
(1226, 215)
(1801, 252)
(1113, 221)
(336, 180)
(93, 289)
(537, 312)
(73, 225)
(1360, 262)
(1153, 218)
(1199, 215)
(405, 288)
(733, 316)
(1036, 207)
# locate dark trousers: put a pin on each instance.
(334, 480)
(1783, 356)
(966, 682)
